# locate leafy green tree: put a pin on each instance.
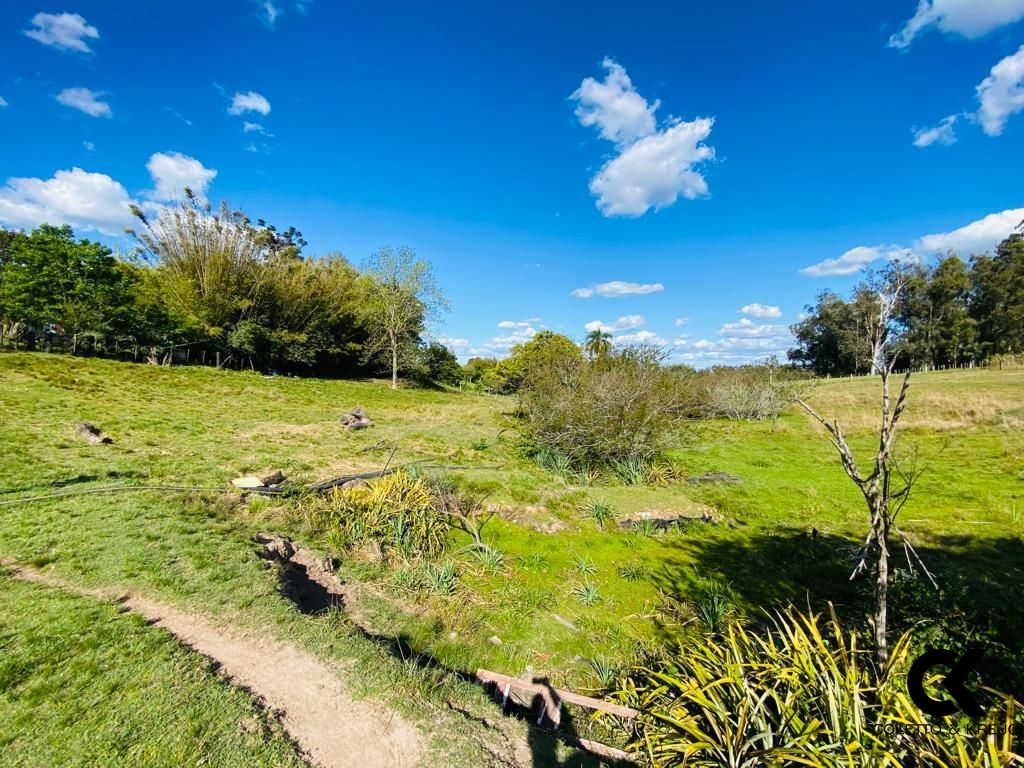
(476, 368)
(438, 365)
(401, 295)
(545, 351)
(49, 278)
(997, 297)
(827, 340)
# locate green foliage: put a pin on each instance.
(713, 602)
(584, 565)
(436, 364)
(440, 578)
(615, 411)
(634, 571)
(490, 558)
(545, 353)
(397, 512)
(801, 694)
(587, 593)
(601, 512)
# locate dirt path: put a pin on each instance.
(332, 729)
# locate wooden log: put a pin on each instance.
(552, 693)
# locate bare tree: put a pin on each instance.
(402, 294)
(887, 486)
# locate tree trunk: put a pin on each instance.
(394, 367)
(882, 590)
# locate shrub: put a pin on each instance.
(396, 511)
(801, 694)
(618, 408)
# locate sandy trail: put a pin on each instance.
(331, 728)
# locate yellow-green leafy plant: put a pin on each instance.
(799, 694)
(396, 511)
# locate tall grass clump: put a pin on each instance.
(800, 694)
(397, 512)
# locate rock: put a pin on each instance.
(276, 547)
(494, 640)
(275, 477)
(356, 419)
(92, 434)
(453, 636)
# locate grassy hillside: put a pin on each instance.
(620, 590)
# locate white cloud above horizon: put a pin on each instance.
(94, 202)
(3, 102)
(85, 100)
(172, 172)
(944, 133)
(762, 311)
(976, 237)
(616, 288)
(1001, 94)
(251, 101)
(63, 31)
(624, 323)
(638, 338)
(652, 168)
(971, 19)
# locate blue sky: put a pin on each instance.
(689, 174)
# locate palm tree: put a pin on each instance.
(598, 343)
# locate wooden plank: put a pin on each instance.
(547, 691)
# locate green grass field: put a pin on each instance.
(622, 591)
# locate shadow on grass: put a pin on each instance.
(980, 581)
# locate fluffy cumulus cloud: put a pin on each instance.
(653, 167)
(681, 321)
(943, 133)
(741, 342)
(655, 171)
(519, 332)
(978, 236)
(763, 311)
(620, 113)
(624, 323)
(615, 288)
(249, 102)
(460, 347)
(1001, 94)
(94, 201)
(64, 31)
(968, 18)
(745, 328)
(84, 100)
(854, 260)
(172, 172)
(89, 201)
(638, 338)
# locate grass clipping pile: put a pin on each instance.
(397, 513)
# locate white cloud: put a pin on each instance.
(88, 201)
(86, 101)
(977, 237)
(65, 31)
(254, 128)
(854, 260)
(3, 101)
(681, 321)
(616, 288)
(654, 171)
(89, 145)
(457, 345)
(249, 102)
(653, 168)
(180, 116)
(511, 324)
(624, 323)
(269, 12)
(943, 133)
(745, 328)
(502, 344)
(621, 114)
(761, 310)
(173, 171)
(640, 337)
(1001, 94)
(968, 18)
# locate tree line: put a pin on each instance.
(951, 313)
(231, 291)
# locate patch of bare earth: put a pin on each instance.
(331, 728)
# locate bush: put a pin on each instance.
(398, 512)
(614, 412)
(801, 694)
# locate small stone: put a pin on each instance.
(494, 640)
(453, 636)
